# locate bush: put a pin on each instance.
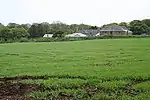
(43, 39)
(24, 40)
(2, 40)
(70, 38)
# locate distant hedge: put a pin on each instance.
(85, 38)
(70, 38)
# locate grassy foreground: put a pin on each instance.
(95, 69)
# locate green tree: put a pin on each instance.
(138, 27)
(124, 24)
(45, 27)
(59, 27)
(93, 27)
(25, 26)
(19, 33)
(147, 22)
(110, 24)
(5, 33)
(13, 25)
(33, 30)
(58, 34)
(39, 29)
(77, 27)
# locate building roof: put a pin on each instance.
(76, 35)
(114, 28)
(89, 32)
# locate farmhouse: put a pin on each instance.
(107, 30)
(76, 35)
(48, 35)
(114, 30)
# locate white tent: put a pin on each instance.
(98, 34)
(48, 35)
(76, 35)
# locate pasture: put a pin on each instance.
(107, 69)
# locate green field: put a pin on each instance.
(107, 69)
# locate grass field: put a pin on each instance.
(106, 69)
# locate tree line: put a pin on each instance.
(14, 31)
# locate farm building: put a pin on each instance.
(76, 35)
(48, 35)
(114, 30)
(89, 33)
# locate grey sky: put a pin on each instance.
(94, 12)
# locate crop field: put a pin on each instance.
(108, 69)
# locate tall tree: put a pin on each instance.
(138, 27)
(5, 33)
(77, 27)
(19, 33)
(39, 29)
(110, 24)
(25, 26)
(13, 25)
(93, 27)
(58, 34)
(124, 24)
(58, 27)
(147, 22)
(33, 30)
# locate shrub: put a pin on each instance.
(24, 40)
(57, 39)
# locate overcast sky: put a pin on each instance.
(93, 12)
